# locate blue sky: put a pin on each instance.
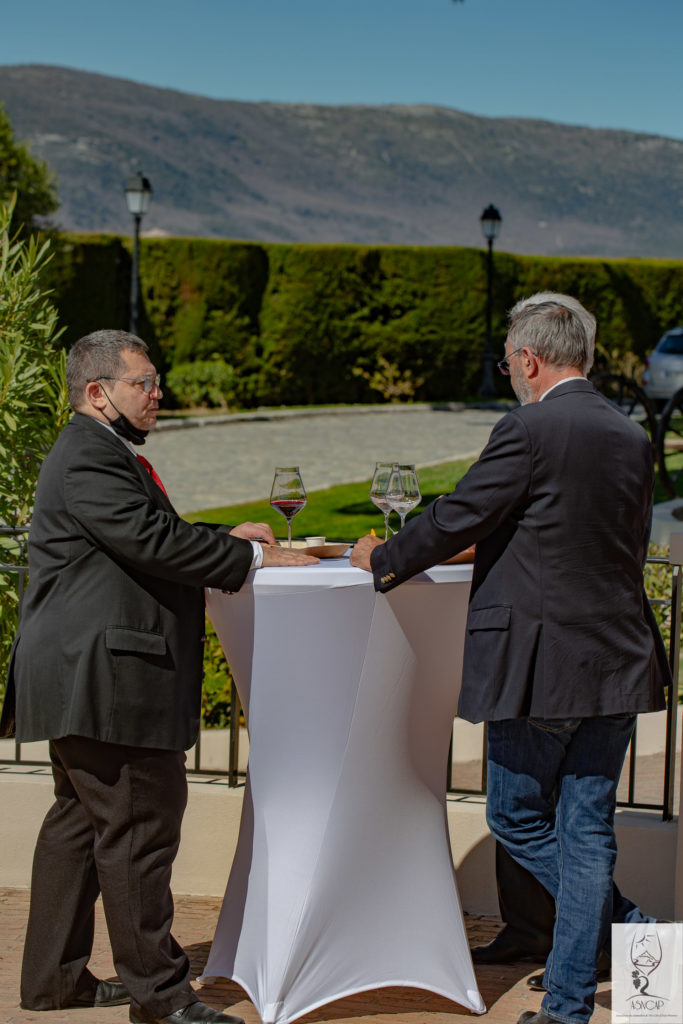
(603, 63)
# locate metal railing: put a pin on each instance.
(20, 571)
(20, 535)
(234, 775)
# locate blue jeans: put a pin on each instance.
(552, 788)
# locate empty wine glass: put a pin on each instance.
(287, 495)
(378, 491)
(403, 493)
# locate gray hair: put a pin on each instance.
(97, 355)
(587, 319)
(556, 333)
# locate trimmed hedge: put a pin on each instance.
(294, 321)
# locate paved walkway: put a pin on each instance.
(233, 461)
(503, 988)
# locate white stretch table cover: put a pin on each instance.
(343, 878)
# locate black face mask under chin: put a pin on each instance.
(124, 428)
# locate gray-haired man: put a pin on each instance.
(561, 649)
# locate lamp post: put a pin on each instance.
(138, 195)
(491, 221)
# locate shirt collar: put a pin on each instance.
(563, 381)
(107, 426)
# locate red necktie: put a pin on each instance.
(152, 471)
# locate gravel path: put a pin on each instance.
(226, 463)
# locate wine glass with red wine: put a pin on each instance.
(287, 494)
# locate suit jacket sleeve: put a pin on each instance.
(118, 515)
(492, 489)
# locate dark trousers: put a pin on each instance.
(114, 828)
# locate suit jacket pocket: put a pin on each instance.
(499, 664)
(496, 617)
(135, 641)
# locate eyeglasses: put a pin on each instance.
(149, 381)
(504, 364)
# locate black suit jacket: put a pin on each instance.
(559, 506)
(111, 634)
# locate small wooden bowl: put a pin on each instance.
(328, 550)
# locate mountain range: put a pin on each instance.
(416, 175)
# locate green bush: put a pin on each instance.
(294, 320)
(206, 383)
(658, 586)
(388, 381)
(658, 583)
(33, 404)
(89, 278)
(217, 683)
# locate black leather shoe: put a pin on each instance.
(107, 993)
(529, 1017)
(504, 950)
(195, 1013)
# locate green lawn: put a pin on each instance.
(344, 512)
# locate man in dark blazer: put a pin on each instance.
(561, 650)
(107, 665)
(526, 908)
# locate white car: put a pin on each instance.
(664, 367)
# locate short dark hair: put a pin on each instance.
(97, 355)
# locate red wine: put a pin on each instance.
(288, 506)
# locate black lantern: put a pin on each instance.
(138, 194)
(491, 221)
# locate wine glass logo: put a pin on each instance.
(646, 956)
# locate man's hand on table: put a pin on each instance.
(272, 553)
(254, 531)
(361, 551)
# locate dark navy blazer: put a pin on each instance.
(559, 506)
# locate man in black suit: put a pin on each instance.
(561, 650)
(107, 665)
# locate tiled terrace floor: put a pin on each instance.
(503, 988)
